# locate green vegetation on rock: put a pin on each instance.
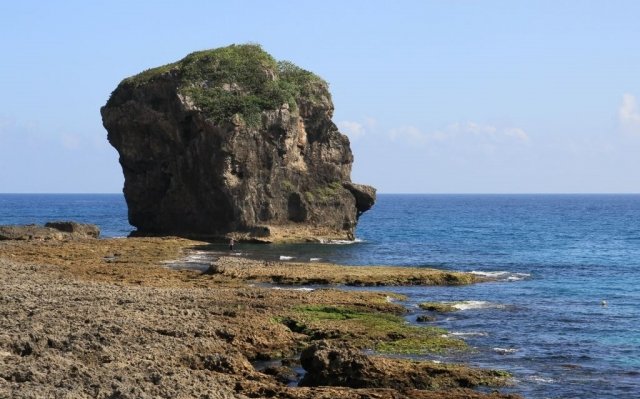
(288, 186)
(324, 194)
(383, 332)
(440, 307)
(241, 80)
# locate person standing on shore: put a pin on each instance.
(231, 243)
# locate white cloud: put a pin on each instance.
(6, 124)
(408, 133)
(629, 114)
(351, 129)
(70, 141)
(467, 131)
(516, 133)
(354, 129)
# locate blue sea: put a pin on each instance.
(556, 259)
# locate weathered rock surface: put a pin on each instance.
(75, 325)
(231, 141)
(334, 365)
(329, 364)
(50, 231)
(82, 230)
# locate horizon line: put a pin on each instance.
(379, 193)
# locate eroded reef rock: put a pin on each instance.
(231, 141)
(331, 364)
(61, 230)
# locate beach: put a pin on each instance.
(108, 319)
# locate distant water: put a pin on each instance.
(557, 257)
(108, 211)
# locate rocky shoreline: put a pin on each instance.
(88, 318)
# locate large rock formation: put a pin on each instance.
(231, 141)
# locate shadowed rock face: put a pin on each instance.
(231, 141)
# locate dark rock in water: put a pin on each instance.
(50, 231)
(423, 318)
(331, 364)
(336, 365)
(231, 141)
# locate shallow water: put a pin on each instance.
(557, 257)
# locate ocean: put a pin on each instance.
(556, 259)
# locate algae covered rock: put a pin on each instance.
(232, 141)
(338, 364)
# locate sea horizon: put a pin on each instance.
(379, 193)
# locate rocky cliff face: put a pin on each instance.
(229, 141)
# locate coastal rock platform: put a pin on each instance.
(50, 231)
(105, 319)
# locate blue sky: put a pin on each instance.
(436, 96)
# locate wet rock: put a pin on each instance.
(337, 365)
(282, 374)
(329, 364)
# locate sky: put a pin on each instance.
(435, 96)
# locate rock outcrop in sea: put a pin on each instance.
(230, 141)
(60, 230)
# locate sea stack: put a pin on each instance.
(231, 142)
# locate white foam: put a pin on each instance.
(488, 274)
(341, 242)
(303, 289)
(283, 257)
(502, 275)
(315, 259)
(505, 351)
(543, 380)
(194, 257)
(515, 278)
(470, 334)
(467, 305)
